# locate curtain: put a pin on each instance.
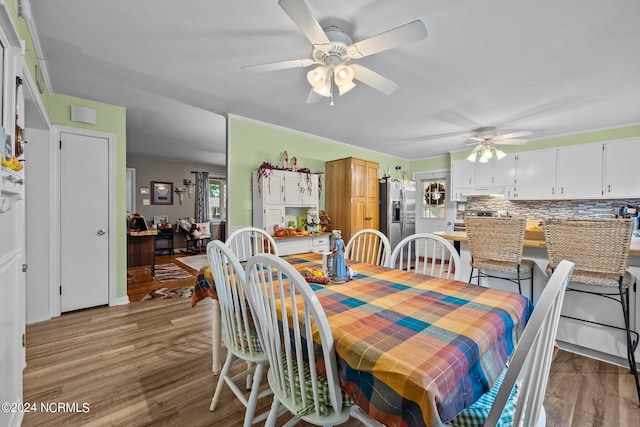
(202, 197)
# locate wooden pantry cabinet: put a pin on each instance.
(352, 195)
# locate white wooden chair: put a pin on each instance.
(428, 254)
(529, 366)
(370, 246)
(296, 381)
(239, 335)
(248, 241)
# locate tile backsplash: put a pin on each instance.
(551, 208)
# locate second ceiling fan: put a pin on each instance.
(333, 50)
(486, 138)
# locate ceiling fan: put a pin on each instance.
(486, 138)
(333, 50)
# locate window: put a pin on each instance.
(218, 198)
(434, 198)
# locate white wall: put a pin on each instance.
(38, 205)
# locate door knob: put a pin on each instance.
(101, 231)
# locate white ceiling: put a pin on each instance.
(550, 67)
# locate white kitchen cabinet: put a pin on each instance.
(503, 171)
(620, 163)
(297, 245)
(461, 176)
(579, 172)
(273, 215)
(281, 198)
(535, 175)
(461, 173)
(271, 187)
(301, 189)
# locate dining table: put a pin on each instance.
(414, 350)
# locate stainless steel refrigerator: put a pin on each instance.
(397, 209)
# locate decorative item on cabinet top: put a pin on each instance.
(266, 168)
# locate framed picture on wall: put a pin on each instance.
(162, 193)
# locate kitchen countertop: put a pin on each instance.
(326, 233)
(462, 237)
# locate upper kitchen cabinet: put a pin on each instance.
(352, 195)
(535, 175)
(579, 172)
(271, 187)
(620, 162)
(461, 178)
(478, 179)
(301, 189)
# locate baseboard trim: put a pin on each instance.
(122, 300)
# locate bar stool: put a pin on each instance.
(600, 249)
(496, 245)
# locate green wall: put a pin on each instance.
(250, 143)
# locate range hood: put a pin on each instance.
(483, 191)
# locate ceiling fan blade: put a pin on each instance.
(407, 33)
(301, 15)
(511, 142)
(514, 134)
(273, 66)
(373, 79)
(314, 97)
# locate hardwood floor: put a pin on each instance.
(149, 364)
(140, 281)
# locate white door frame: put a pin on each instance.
(57, 130)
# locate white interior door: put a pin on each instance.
(84, 221)
(430, 225)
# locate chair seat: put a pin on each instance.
(476, 414)
(599, 279)
(324, 401)
(502, 266)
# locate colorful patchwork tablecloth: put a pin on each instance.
(415, 350)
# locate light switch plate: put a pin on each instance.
(146, 202)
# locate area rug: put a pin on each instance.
(167, 272)
(196, 261)
(162, 293)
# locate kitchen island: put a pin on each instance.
(599, 342)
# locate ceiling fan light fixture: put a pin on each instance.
(318, 77)
(486, 155)
(499, 153)
(343, 77)
(472, 157)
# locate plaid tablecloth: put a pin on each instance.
(204, 287)
(415, 350)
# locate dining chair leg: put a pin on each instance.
(631, 345)
(221, 381)
(249, 379)
(216, 336)
(273, 413)
(252, 402)
(471, 277)
(519, 285)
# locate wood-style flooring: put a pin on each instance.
(149, 364)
